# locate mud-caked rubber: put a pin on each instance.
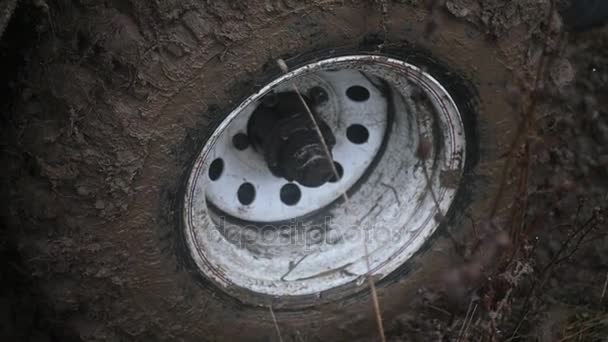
(120, 102)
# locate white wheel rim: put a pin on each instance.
(243, 247)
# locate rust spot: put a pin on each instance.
(425, 147)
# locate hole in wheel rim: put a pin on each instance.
(290, 194)
(246, 193)
(357, 134)
(357, 93)
(215, 169)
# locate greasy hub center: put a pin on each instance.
(281, 128)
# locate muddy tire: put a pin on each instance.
(119, 104)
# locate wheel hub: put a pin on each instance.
(282, 129)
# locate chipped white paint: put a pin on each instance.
(392, 206)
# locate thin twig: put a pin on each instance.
(392, 188)
(466, 318)
(384, 22)
(376, 303)
(466, 330)
(276, 324)
(299, 336)
(604, 290)
(590, 326)
(524, 126)
(539, 283)
(283, 66)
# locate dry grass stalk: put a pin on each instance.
(376, 303)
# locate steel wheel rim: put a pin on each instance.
(279, 268)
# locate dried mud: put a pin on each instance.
(105, 103)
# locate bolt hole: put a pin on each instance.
(246, 193)
(240, 141)
(357, 134)
(357, 93)
(290, 194)
(340, 170)
(215, 169)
